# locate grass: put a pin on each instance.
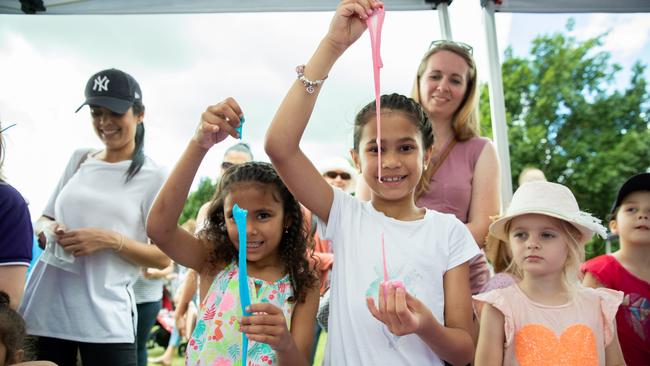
(180, 361)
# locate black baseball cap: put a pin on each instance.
(113, 89)
(639, 182)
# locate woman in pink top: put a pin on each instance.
(463, 175)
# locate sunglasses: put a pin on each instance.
(6, 128)
(333, 175)
(442, 42)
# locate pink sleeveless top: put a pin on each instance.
(450, 191)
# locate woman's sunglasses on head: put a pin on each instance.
(226, 164)
(442, 42)
(333, 175)
(6, 128)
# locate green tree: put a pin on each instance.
(565, 117)
(196, 199)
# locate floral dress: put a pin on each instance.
(216, 340)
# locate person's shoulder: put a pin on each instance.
(599, 263)
(441, 218)
(10, 195)
(498, 297)
(476, 142)
(599, 292)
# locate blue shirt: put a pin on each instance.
(16, 233)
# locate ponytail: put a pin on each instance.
(137, 160)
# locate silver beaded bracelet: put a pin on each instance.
(309, 85)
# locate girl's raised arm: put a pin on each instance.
(217, 122)
(288, 125)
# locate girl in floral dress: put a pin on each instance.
(283, 286)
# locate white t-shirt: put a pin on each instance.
(417, 252)
(97, 305)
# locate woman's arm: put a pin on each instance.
(217, 122)
(187, 292)
(486, 194)
(86, 241)
(284, 134)
(489, 350)
(159, 273)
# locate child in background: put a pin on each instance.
(547, 318)
(12, 336)
(499, 255)
(284, 289)
(425, 309)
(628, 269)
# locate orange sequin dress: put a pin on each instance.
(575, 333)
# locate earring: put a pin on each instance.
(286, 230)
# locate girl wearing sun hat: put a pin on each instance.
(547, 317)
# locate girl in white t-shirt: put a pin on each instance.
(283, 286)
(422, 315)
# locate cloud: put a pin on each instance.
(628, 33)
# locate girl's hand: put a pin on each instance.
(349, 22)
(217, 122)
(401, 312)
(267, 325)
(86, 241)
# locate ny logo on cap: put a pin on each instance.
(101, 83)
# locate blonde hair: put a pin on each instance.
(575, 255)
(465, 120)
(499, 254)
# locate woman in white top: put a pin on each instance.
(80, 294)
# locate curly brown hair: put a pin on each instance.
(296, 244)
(12, 330)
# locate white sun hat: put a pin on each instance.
(550, 199)
(336, 163)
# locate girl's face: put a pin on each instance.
(265, 221)
(539, 245)
(117, 131)
(632, 222)
(402, 156)
(443, 84)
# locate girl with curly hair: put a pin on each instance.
(284, 287)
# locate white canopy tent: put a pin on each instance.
(198, 6)
(489, 8)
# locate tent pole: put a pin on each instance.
(497, 104)
(443, 18)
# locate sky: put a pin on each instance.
(185, 63)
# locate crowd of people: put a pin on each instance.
(401, 252)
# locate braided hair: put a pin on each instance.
(295, 243)
(395, 102)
